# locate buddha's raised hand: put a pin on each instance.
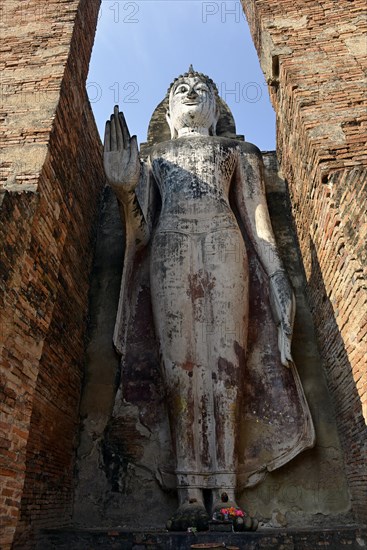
(121, 155)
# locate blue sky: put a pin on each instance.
(142, 45)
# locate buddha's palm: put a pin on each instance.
(121, 155)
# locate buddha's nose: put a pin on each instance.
(192, 94)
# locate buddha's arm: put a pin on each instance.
(251, 203)
(124, 171)
(137, 225)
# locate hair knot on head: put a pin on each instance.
(192, 73)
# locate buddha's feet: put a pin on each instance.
(220, 505)
(191, 514)
(228, 509)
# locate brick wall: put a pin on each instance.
(50, 180)
(313, 54)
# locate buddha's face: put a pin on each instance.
(192, 104)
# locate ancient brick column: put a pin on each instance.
(51, 177)
(313, 55)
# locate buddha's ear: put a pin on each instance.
(217, 112)
(170, 124)
(213, 128)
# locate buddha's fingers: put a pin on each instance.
(125, 130)
(134, 154)
(113, 134)
(119, 135)
(284, 344)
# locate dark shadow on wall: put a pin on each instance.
(102, 362)
(342, 386)
(312, 489)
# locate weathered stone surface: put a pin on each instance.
(316, 71)
(51, 177)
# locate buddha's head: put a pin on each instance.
(193, 105)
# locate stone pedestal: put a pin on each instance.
(349, 538)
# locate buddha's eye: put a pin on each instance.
(181, 89)
(202, 88)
